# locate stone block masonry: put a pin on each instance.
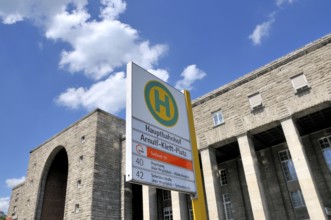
(93, 149)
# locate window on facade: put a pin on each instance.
(227, 207)
(218, 118)
(255, 101)
(297, 199)
(299, 82)
(77, 209)
(14, 211)
(79, 183)
(81, 158)
(167, 213)
(223, 177)
(17, 197)
(166, 194)
(83, 139)
(287, 165)
(325, 144)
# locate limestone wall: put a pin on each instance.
(279, 98)
(93, 149)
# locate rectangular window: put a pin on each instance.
(14, 211)
(167, 213)
(299, 83)
(79, 183)
(325, 144)
(255, 101)
(227, 206)
(297, 199)
(77, 209)
(166, 194)
(287, 165)
(223, 177)
(83, 139)
(218, 118)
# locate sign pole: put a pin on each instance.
(198, 202)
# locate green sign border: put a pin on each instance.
(149, 85)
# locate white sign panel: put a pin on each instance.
(158, 147)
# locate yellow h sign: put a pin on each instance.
(161, 103)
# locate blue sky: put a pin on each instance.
(61, 59)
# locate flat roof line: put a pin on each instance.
(265, 69)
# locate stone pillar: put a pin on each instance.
(179, 205)
(149, 203)
(309, 190)
(126, 200)
(253, 178)
(126, 188)
(211, 183)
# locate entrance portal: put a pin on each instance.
(55, 188)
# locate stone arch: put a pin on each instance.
(53, 186)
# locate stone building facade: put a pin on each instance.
(264, 142)
(75, 174)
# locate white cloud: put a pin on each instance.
(39, 11)
(261, 31)
(4, 204)
(161, 73)
(281, 2)
(15, 181)
(12, 18)
(97, 46)
(108, 95)
(112, 8)
(190, 74)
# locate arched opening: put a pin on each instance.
(54, 193)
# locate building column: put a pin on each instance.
(211, 183)
(253, 178)
(306, 180)
(179, 206)
(149, 203)
(126, 188)
(126, 200)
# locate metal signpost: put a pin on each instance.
(158, 137)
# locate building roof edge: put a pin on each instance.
(75, 123)
(319, 43)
